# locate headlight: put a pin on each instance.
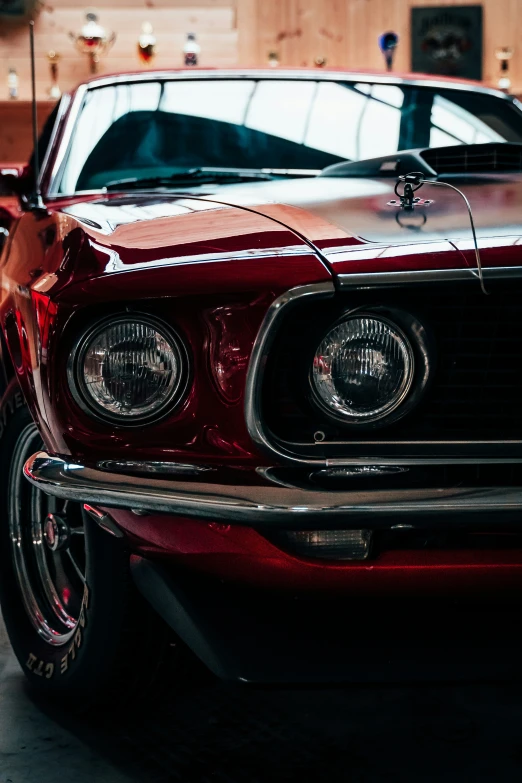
(363, 368)
(129, 370)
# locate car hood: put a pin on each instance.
(361, 208)
(167, 243)
(321, 208)
(351, 223)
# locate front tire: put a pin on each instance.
(77, 625)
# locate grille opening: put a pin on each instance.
(475, 394)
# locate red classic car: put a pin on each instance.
(249, 378)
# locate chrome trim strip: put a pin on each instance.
(371, 279)
(103, 520)
(65, 100)
(158, 468)
(295, 75)
(414, 461)
(269, 504)
(66, 137)
(115, 264)
(260, 352)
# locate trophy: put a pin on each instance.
(191, 50)
(504, 55)
(12, 84)
(54, 90)
(93, 40)
(387, 44)
(146, 44)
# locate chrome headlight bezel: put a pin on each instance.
(421, 355)
(76, 379)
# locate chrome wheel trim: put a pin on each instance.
(51, 583)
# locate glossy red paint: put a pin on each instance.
(494, 252)
(10, 211)
(351, 224)
(211, 267)
(12, 175)
(195, 259)
(244, 556)
(230, 346)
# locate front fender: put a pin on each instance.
(210, 271)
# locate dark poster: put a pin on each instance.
(447, 40)
(16, 10)
(12, 8)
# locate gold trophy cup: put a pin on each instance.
(93, 40)
(54, 90)
(147, 44)
(504, 55)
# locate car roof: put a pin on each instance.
(327, 74)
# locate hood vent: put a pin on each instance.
(479, 158)
(436, 161)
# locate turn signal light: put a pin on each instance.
(329, 544)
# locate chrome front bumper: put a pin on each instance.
(253, 498)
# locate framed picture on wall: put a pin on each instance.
(16, 10)
(447, 40)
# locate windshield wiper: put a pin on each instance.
(206, 175)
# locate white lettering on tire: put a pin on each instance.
(42, 669)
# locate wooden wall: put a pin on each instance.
(345, 32)
(213, 21)
(243, 32)
(16, 130)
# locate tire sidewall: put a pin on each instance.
(83, 664)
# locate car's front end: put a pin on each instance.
(277, 395)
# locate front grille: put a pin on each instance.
(474, 158)
(475, 395)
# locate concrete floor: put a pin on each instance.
(225, 734)
(34, 748)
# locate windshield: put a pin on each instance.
(147, 129)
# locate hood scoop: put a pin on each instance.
(436, 161)
(474, 158)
